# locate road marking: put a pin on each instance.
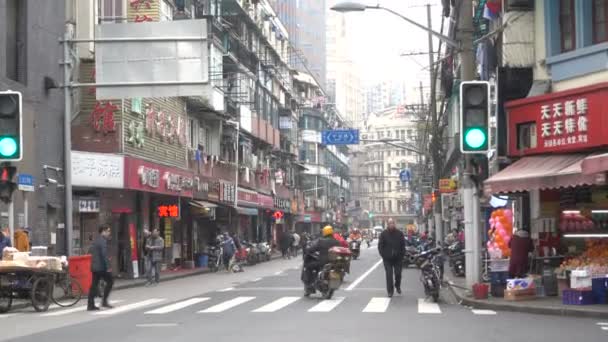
(226, 289)
(327, 305)
(603, 323)
(130, 307)
(256, 279)
(363, 276)
(278, 273)
(156, 325)
(277, 304)
(425, 307)
(177, 306)
(227, 305)
(484, 312)
(377, 304)
(8, 315)
(77, 309)
(605, 328)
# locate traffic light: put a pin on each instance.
(7, 184)
(10, 126)
(474, 117)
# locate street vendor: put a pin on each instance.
(22, 240)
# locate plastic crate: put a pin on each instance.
(599, 287)
(578, 297)
(497, 290)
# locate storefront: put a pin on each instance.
(164, 194)
(267, 229)
(204, 209)
(247, 214)
(557, 187)
(310, 222)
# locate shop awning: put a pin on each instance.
(540, 172)
(247, 211)
(595, 164)
(202, 204)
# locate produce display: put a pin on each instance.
(500, 233)
(595, 258)
(575, 223)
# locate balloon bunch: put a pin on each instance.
(500, 233)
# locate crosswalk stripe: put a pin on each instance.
(484, 312)
(228, 289)
(129, 307)
(177, 306)
(72, 310)
(277, 304)
(327, 305)
(603, 323)
(377, 304)
(425, 307)
(227, 305)
(7, 315)
(605, 328)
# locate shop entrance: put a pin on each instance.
(123, 244)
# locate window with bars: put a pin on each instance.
(16, 40)
(567, 24)
(166, 11)
(600, 21)
(111, 11)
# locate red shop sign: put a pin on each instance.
(147, 176)
(247, 197)
(265, 201)
(566, 121)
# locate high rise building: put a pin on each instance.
(383, 95)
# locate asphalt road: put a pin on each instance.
(265, 303)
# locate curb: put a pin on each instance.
(553, 311)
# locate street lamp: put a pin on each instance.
(237, 125)
(345, 7)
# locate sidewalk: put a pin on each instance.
(539, 305)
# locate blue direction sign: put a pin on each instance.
(405, 175)
(25, 182)
(340, 137)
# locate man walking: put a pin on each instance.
(155, 245)
(391, 246)
(100, 267)
(296, 243)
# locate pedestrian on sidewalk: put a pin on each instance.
(286, 243)
(100, 267)
(155, 245)
(521, 246)
(391, 246)
(296, 243)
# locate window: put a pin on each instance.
(526, 135)
(402, 134)
(389, 186)
(567, 25)
(390, 206)
(111, 11)
(388, 153)
(600, 21)
(388, 168)
(193, 134)
(166, 11)
(16, 40)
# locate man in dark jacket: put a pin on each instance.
(391, 246)
(311, 265)
(100, 267)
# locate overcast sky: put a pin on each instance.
(380, 37)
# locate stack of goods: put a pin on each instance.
(11, 257)
(520, 289)
(500, 233)
(594, 259)
(580, 291)
(575, 223)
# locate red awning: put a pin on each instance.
(540, 172)
(595, 164)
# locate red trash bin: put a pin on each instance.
(80, 269)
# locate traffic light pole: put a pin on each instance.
(470, 193)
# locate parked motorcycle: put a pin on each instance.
(330, 277)
(355, 248)
(214, 256)
(265, 251)
(456, 259)
(409, 258)
(431, 273)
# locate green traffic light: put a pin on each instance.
(475, 138)
(8, 147)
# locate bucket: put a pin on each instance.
(480, 291)
(80, 269)
(202, 260)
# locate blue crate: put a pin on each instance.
(499, 278)
(578, 297)
(599, 287)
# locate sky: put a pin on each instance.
(379, 38)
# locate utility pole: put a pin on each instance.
(435, 139)
(470, 193)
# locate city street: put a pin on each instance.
(265, 303)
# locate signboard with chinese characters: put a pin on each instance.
(227, 191)
(568, 121)
(168, 210)
(447, 185)
(101, 170)
(248, 197)
(147, 176)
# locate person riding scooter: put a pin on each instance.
(355, 235)
(311, 264)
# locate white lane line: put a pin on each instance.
(130, 307)
(603, 323)
(277, 304)
(425, 307)
(226, 289)
(327, 305)
(377, 304)
(156, 325)
(73, 310)
(8, 315)
(363, 276)
(484, 312)
(227, 305)
(256, 280)
(177, 306)
(278, 273)
(605, 328)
